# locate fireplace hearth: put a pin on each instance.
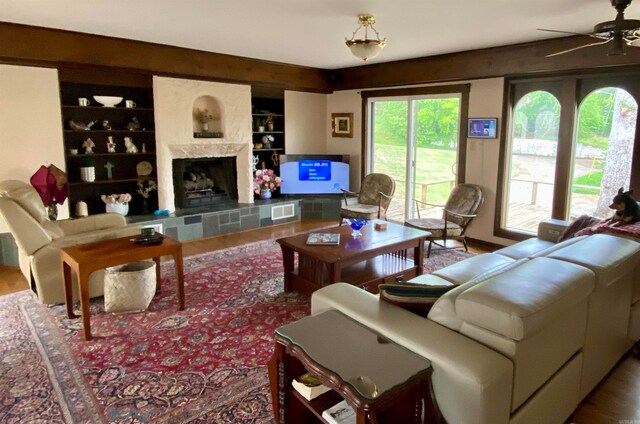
(204, 181)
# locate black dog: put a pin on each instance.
(627, 209)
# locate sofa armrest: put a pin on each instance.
(472, 383)
(92, 223)
(552, 229)
(27, 232)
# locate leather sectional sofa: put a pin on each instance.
(529, 332)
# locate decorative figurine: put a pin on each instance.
(88, 145)
(267, 140)
(81, 126)
(256, 159)
(109, 166)
(106, 126)
(144, 148)
(128, 143)
(134, 125)
(111, 145)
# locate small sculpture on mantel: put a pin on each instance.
(88, 145)
(81, 126)
(128, 143)
(134, 125)
(111, 145)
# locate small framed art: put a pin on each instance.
(342, 125)
(483, 128)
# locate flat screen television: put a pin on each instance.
(483, 128)
(314, 174)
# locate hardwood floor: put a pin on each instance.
(615, 400)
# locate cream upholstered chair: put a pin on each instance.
(373, 199)
(39, 240)
(461, 207)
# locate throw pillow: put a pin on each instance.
(416, 295)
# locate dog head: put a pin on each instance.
(621, 200)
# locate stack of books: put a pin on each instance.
(309, 386)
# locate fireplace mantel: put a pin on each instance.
(213, 149)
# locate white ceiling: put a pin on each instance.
(312, 32)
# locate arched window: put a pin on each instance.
(603, 151)
(532, 161)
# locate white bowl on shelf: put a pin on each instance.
(107, 101)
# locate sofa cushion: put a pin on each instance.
(609, 257)
(463, 271)
(534, 247)
(521, 301)
(444, 310)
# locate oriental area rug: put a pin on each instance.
(206, 364)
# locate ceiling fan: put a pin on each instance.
(618, 32)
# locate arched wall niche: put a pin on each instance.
(207, 115)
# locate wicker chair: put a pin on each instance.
(373, 199)
(461, 207)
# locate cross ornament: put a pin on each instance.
(109, 167)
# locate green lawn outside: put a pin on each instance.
(431, 165)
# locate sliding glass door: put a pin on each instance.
(415, 140)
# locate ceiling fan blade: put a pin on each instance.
(574, 33)
(578, 48)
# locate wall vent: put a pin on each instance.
(282, 211)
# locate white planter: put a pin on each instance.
(88, 174)
(121, 208)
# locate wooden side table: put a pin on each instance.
(382, 381)
(84, 259)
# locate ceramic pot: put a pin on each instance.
(88, 174)
(121, 208)
(265, 193)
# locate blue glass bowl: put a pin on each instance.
(356, 225)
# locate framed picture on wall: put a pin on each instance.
(342, 125)
(483, 128)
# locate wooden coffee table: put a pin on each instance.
(382, 381)
(84, 259)
(378, 256)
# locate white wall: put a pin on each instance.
(305, 122)
(30, 124)
(346, 102)
(485, 100)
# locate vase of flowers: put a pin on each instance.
(265, 182)
(145, 187)
(118, 203)
(204, 117)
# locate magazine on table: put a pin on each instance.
(340, 413)
(323, 239)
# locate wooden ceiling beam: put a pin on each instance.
(24, 44)
(518, 59)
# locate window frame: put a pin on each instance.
(570, 90)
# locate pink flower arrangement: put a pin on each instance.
(116, 198)
(265, 179)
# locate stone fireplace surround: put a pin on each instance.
(174, 106)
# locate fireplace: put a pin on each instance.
(204, 181)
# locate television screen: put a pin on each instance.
(314, 174)
(483, 128)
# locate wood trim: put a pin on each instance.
(29, 45)
(507, 108)
(512, 60)
(564, 154)
(418, 91)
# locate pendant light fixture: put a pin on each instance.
(365, 48)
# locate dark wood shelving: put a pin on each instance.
(109, 132)
(124, 174)
(84, 155)
(268, 132)
(272, 102)
(279, 149)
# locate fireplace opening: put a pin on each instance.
(204, 181)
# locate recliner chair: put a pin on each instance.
(39, 240)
